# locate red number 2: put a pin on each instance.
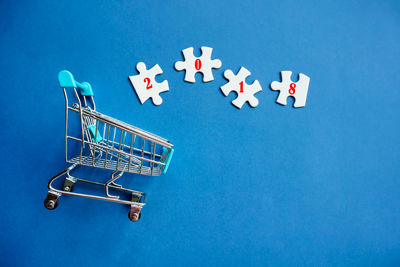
(241, 87)
(197, 64)
(292, 88)
(147, 80)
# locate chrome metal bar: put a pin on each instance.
(111, 186)
(73, 138)
(66, 124)
(94, 104)
(130, 152)
(141, 163)
(108, 134)
(104, 130)
(95, 140)
(113, 141)
(81, 118)
(113, 178)
(123, 142)
(119, 148)
(152, 164)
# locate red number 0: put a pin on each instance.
(197, 64)
(147, 80)
(241, 87)
(292, 88)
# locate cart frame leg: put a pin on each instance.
(111, 181)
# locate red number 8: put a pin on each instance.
(292, 88)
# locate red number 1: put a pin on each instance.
(147, 80)
(241, 87)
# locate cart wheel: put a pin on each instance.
(68, 185)
(134, 215)
(50, 203)
(68, 188)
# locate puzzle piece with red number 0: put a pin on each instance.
(203, 64)
(145, 84)
(287, 88)
(245, 92)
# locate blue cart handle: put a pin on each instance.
(66, 80)
(168, 160)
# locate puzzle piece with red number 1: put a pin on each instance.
(145, 84)
(245, 92)
(203, 64)
(287, 88)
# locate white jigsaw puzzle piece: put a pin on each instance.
(145, 84)
(245, 92)
(204, 64)
(299, 90)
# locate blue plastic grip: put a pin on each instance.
(168, 161)
(66, 80)
(86, 89)
(92, 129)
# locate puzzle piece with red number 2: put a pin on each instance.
(145, 84)
(288, 88)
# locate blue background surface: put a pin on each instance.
(270, 185)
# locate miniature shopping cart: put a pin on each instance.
(103, 142)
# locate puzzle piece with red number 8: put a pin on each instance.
(203, 64)
(245, 92)
(145, 84)
(287, 88)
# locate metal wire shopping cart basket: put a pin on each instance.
(104, 142)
